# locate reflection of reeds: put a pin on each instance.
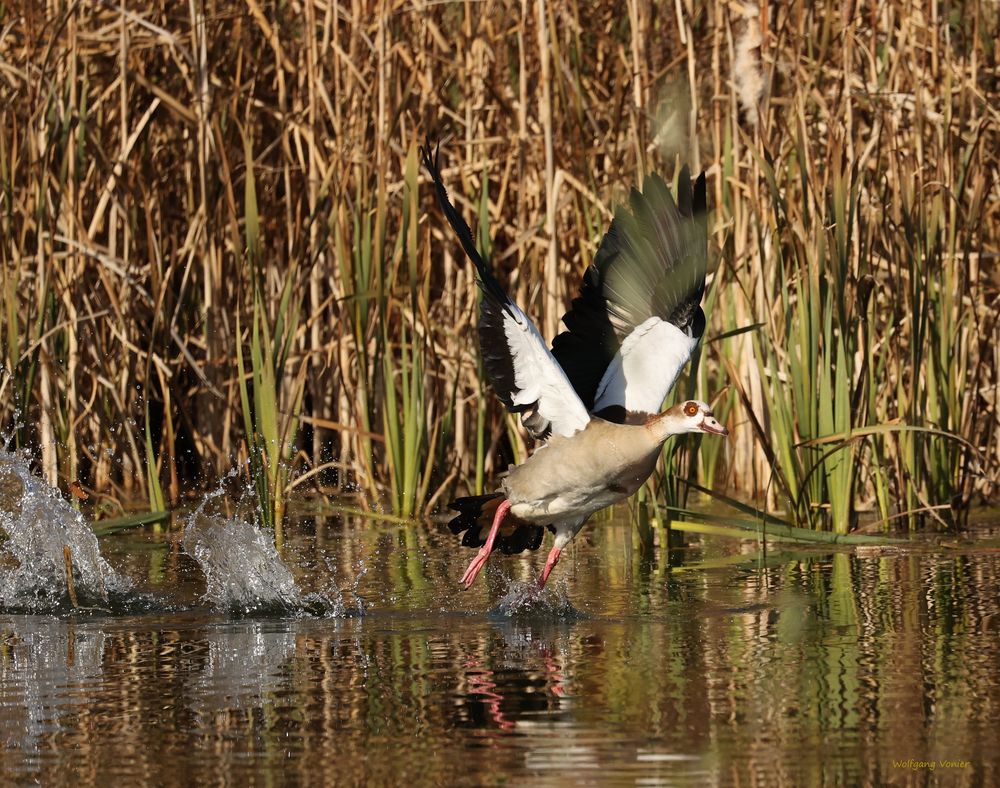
(855, 221)
(889, 649)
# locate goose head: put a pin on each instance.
(690, 416)
(699, 418)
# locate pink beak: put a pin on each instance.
(711, 424)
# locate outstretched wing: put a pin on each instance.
(521, 369)
(638, 316)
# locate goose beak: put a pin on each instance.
(711, 425)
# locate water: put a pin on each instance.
(715, 663)
(53, 566)
(243, 572)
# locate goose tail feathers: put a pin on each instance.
(475, 515)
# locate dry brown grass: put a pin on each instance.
(857, 142)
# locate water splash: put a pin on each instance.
(243, 571)
(49, 558)
(361, 569)
(527, 600)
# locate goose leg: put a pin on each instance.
(484, 552)
(550, 563)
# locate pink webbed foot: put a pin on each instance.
(550, 563)
(484, 553)
(475, 567)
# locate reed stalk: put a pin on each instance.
(270, 420)
(151, 325)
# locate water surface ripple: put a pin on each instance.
(715, 664)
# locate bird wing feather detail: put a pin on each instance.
(644, 370)
(521, 368)
(638, 316)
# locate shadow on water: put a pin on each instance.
(706, 662)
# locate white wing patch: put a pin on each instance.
(645, 367)
(539, 378)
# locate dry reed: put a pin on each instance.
(852, 155)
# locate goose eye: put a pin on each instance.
(690, 409)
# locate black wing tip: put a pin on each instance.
(430, 157)
(472, 502)
(699, 202)
(525, 537)
(699, 321)
(487, 282)
(469, 509)
(491, 330)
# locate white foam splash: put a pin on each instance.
(41, 529)
(528, 600)
(242, 568)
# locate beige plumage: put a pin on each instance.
(570, 478)
(594, 396)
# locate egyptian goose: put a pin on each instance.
(595, 397)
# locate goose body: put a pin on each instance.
(594, 397)
(570, 478)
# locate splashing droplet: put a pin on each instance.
(243, 571)
(528, 600)
(49, 558)
(242, 568)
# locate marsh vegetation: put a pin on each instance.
(218, 244)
